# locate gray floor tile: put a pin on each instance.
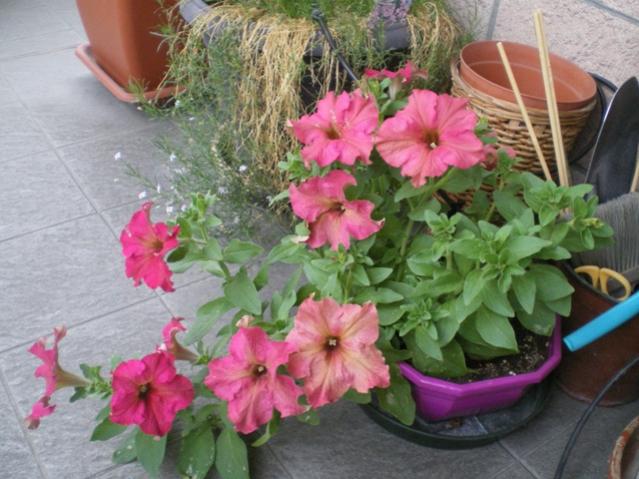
(67, 11)
(68, 102)
(20, 135)
(589, 458)
(6, 92)
(105, 180)
(36, 192)
(15, 456)
(39, 43)
(24, 18)
(560, 413)
(62, 442)
(185, 301)
(65, 274)
(515, 472)
(349, 445)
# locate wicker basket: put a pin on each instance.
(507, 123)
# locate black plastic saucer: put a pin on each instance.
(468, 432)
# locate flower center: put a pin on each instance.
(337, 207)
(259, 370)
(332, 343)
(333, 133)
(155, 244)
(143, 390)
(431, 138)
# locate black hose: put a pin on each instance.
(586, 415)
(318, 17)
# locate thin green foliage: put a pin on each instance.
(238, 93)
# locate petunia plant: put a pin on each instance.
(417, 241)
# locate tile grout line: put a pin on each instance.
(78, 324)
(14, 406)
(279, 461)
(102, 315)
(522, 461)
(26, 155)
(84, 141)
(46, 52)
(613, 11)
(54, 225)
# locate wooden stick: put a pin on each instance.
(524, 112)
(635, 178)
(551, 100)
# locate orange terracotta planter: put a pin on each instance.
(482, 69)
(123, 42)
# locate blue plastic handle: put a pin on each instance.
(603, 324)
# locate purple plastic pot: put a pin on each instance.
(438, 399)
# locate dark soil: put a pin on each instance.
(533, 352)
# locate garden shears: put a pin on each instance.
(600, 277)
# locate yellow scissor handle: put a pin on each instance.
(599, 277)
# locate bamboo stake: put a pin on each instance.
(635, 178)
(551, 99)
(524, 112)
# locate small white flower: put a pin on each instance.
(222, 190)
(142, 195)
(117, 156)
(177, 103)
(158, 188)
(183, 208)
(139, 108)
(242, 168)
(192, 118)
(172, 157)
(169, 210)
(236, 220)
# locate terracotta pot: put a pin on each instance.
(583, 373)
(438, 399)
(482, 69)
(624, 460)
(122, 38)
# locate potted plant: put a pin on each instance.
(125, 50)
(248, 66)
(398, 283)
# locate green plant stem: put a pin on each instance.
(449, 260)
(493, 205)
(348, 283)
(225, 270)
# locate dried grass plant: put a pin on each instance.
(247, 83)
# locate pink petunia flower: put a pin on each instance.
(54, 376)
(40, 409)
(149, 393)
(321, 202)
(405, 74)
(340, 130)
(248, 379)
(432, 133)
(336, 350)
(144, 244)
(172, 345)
